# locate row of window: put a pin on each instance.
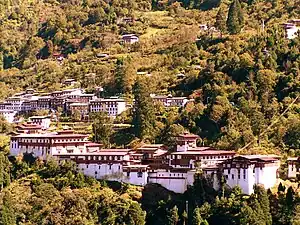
(238, 177)
(109, 167)
(104, 158)
(139, 174)
(201, 157)
(297, 169)
(238, 170)
(36, 141)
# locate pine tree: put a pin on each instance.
(220, 23)
(289, 205)
(184, 217)
(296, 217)
(144, 116)
(197, 220)
(235, 19)
(281, 188)
(263, 200)
(7, 213)
(4, 171)
(120, 76)
(102, 128)
(173, 218)
(1, 61)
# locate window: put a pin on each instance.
(139, 174)
(244, 177)
(128, 174)
(239, 176)
(226, 176)
(232, 176)
(87, 166)
(110, 166)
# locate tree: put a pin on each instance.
(281, 188)
(296, 217)
(184, 218)
(7, 212)
(235, 19)
(197, 220)
(220, 23)
(4, 170)
(263, 200)
(76, 115)
(41, 112)
(172, 217)
(5, 127)
(102, 128)
(120, 80)
(144, 117)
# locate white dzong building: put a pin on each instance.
(246, 171)
(151, 163)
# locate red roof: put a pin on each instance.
(205, 152)
(188, 135)
(92, 144)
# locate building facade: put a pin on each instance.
(249, 170)
(113, 106)
(149, 163)
(293, 167)
(43, 121)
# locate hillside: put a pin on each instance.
(241, 83)
(232, 57)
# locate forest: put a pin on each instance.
(242, 72)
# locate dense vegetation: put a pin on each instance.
(241, 83)
(37, 192)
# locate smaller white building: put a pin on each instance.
(43, 121)
(293, 167)
(16, 103)
(130, 38)
(249, 170)
(292, 28)
(169, 100)
(9, 115)
(70, 82)
(113, 106)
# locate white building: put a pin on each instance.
(43, 121)
(9, 115)
(113, 106)
(70, 82)
(16, 103)
(292, 28)
(249, 170)
(49, 144)
(151, 163)
(130, 38)
(293, 167)
(169, 100)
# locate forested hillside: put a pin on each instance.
(35, 192)
(242, 76)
